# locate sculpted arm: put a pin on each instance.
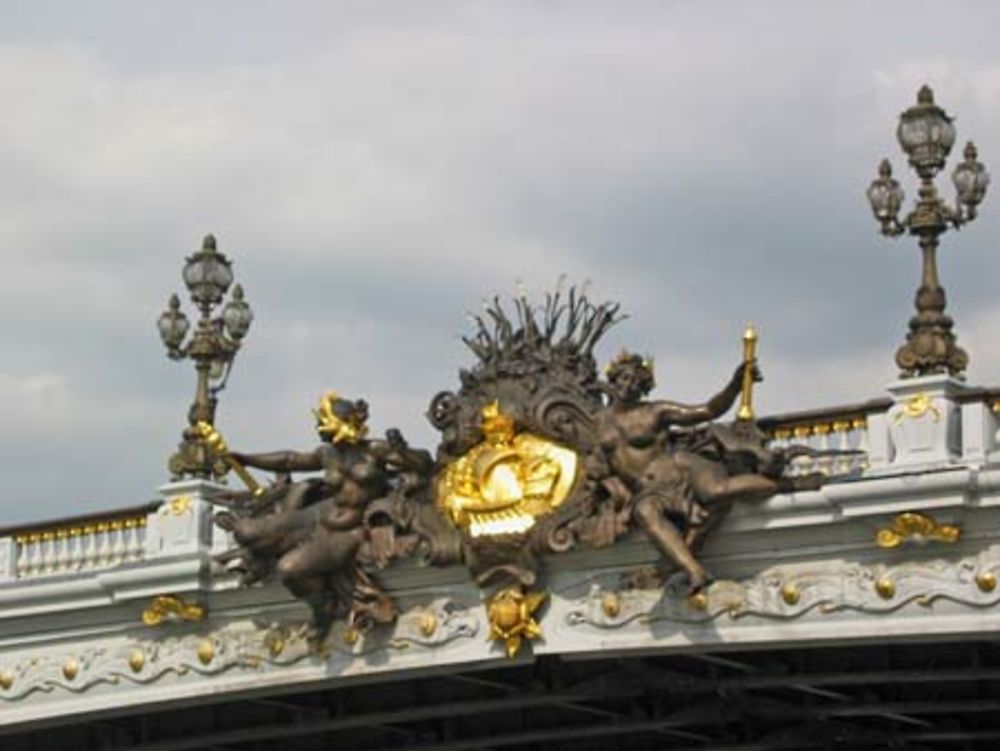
(674, 413)
(282, 461)
(398, 454)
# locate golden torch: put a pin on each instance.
(217, 443)
(745, 412)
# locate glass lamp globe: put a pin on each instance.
(237, 315)
(208, 274)
(970, 177)
(926, 133)
(173, 324)
(884, 194)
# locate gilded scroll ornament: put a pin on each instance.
(170, 607)
(916, 407)
(915, 526)
(511, 613)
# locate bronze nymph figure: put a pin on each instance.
(314, 531)
(653, 479)
(537, 454)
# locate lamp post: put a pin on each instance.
(926, 134)
(212, 347)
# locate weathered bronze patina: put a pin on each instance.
(325, 536)
(538, 454)
(666, 484)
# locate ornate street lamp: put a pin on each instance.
(926, 134)
(213, 345)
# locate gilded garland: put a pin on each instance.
(538, 454)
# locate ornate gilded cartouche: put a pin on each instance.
(502, 485)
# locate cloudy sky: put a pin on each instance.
(375, 170)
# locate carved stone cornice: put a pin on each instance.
(146, 658)
(790, 593)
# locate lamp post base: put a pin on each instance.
(193, 458)
(931, 347)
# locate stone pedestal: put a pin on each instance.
(183, 523)
(925, 422)
(979, 427)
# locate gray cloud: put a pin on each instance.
(376, 170)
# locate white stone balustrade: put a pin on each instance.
(87, 546)
(836, 433)
(930, 422)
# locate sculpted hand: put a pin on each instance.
(754, 370)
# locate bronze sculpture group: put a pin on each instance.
(538, 454)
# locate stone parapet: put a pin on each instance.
(900, 545)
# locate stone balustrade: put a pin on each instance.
(841, 432)
(84, 547)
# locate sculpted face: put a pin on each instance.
(630, 378)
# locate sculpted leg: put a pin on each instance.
(323, 554)
(312, 590)
(321, 572)
(710, 489)
(269, 531)
(669, 541)
(712, 483)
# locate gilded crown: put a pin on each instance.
(494, 423)
(338, 429)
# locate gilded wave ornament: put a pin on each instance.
(787, 593)
(247, 646)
